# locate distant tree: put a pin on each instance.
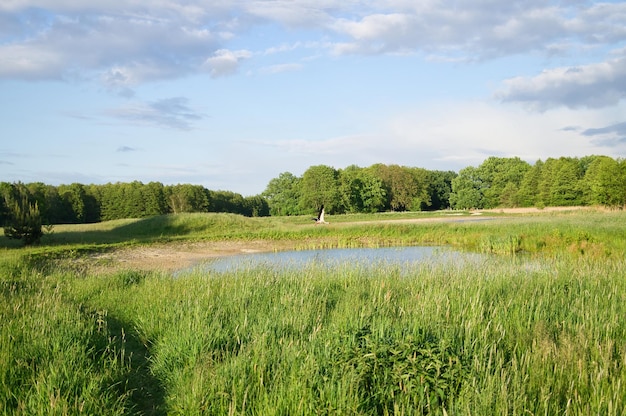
(405, 188)
(361, 190)
(73, 199)
(6, 189)
(564, 188)
(498, 174)
(187, 198)
(320, 186)
(528, 193)
(24, 220)
(439, 188)
(467, 189)
(604, 183)
(283, 194)
(256, 206)
(420, 195)
(154, 202)
(227, 201)
(111, 201)
(560, 182)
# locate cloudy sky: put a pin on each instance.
(230, 93)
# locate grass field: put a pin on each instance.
(511, 336)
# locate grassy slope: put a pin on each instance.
(506, 336)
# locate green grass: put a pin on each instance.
(594, 233)
(515, 334)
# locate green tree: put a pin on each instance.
(361, 190)
(528, 193)
(227, 201)
(405, 188)
(320, 186)
(498, 174)
(187, 198)
(154, 202)
(560, 182)
(604, 183)
(439, 188)
(420, 197)
(73, 200)
(23, 219)
(256, 206)
(467, 189)
(283, 194)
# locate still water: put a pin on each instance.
(333, 258)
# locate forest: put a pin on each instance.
(497, 182)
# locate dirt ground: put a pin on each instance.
(177, 256)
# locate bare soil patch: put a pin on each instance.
(176, 256)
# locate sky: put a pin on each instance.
(228, 94)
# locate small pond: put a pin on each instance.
(332, 258)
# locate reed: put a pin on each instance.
(511, 334)
(598, 234)
(507, 337)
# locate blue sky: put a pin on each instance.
(230, 93)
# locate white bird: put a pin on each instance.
(320, 217)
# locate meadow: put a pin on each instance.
(536, 328)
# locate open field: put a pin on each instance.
(94, 323)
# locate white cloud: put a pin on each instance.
(594, 85)
(30, 61)
(472, 131)
(133, 41)
(460, 135)
(479, 29)
(225, 62)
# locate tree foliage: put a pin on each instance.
(320, 186)
(23, 219)
(283, 194)
(361, 190)
(566, 181)
(497, 182)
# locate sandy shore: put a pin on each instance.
(176, 256)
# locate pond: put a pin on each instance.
(333, 258)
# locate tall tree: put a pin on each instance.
(320, 186)
(73, 198)
(23, 218)
(467, 189)
(283, 194)
(227, 201)
(439, 188)
(498, 174)
(187, 198)
(405, 187)
(154, 201)
(528, 193)
(604, 183)
(255, 206)
(563, 186)
(361, 190)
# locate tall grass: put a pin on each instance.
(593, 233)
(504, 338)
(511, 335)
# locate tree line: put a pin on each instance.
(566, 181)
(78, 203)
(497, 182)
(355, 189)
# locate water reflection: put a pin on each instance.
(332, 258)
